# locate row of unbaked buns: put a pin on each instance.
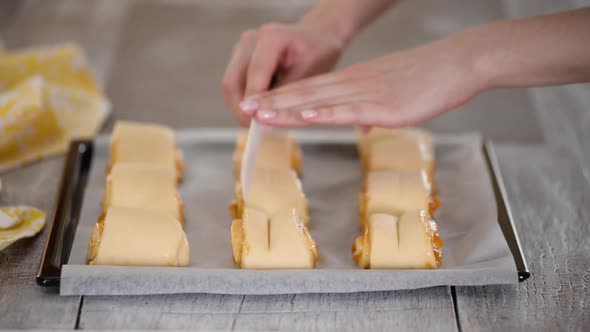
(142, 212)
(397, 201)
(269, 228)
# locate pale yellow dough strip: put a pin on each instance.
(143, 186)
(408, 242)
(394, 193)
(272, 191)
(277, 150)
(397, 150)
(282, 242)
(147, 143)
(138, 237)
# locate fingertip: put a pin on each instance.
(309, 115)
(248, 105)
(244, 120)
(266, 115)
(276, 118)
(365, 129)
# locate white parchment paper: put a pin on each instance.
(475, 251)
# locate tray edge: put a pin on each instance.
(76, 167)
(66, 213)
(505, 216)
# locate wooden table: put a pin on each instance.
(162, 61)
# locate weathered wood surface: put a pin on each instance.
(429, 309)
(551, 200)
(22, 303)
(158, 62)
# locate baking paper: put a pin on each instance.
(475, 251)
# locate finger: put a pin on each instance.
(361, 113)
(266, 58)
(291, 74)
(313, 81)
(354, 73)
(365, 129)
(280, 118)
(234, 79)
(314, 96)
(357, 113)
(359, 95)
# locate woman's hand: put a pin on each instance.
(399, 89)
(291, 51)
(412, 86)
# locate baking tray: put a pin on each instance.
(77, 164)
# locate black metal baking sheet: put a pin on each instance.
(70, 196)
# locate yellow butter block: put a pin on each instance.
(141, 186)
(26, 222)
(28, 130)
(410, 241)
(281, 242)
(138, 237)
(63, 64)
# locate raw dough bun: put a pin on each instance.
(146, 143)
(408, 242)
(277, 150)
(273, 191)
(394, 193)
(143, 186)
(138, 237)
(397, 150)
(282, 242)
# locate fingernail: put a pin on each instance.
(248, 105)
(267, 114)
(365, 129)
(309, 114)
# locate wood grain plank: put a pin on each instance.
(151, 312)
(379, 311)
(550, 199)
(549, 190)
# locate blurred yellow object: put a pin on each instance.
(63, 64)
(28, 130)
(79, 113)
(26, 221)
(48, 95)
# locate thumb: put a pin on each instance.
(265, 62)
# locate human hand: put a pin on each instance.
(293, 51)
(397, 90)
